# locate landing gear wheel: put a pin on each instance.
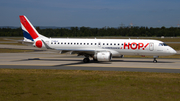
(155, 61)
(95, 59)
(86, 60)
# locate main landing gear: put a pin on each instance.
(86, 60)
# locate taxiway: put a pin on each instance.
(38, 60)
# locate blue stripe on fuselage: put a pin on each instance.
(27, 35)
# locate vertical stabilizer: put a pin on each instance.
(29, 32)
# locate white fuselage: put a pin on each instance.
(116, 46)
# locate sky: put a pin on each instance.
(91, 13)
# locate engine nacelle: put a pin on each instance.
(103, 56)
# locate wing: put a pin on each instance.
(78, 51)
(72, 51)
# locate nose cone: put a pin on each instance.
(173, 51)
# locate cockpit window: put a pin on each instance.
(162, 44)
(165, 44)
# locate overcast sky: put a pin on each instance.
(91, 13)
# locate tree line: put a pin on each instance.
(91, 32)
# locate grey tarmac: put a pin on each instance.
(37, 60)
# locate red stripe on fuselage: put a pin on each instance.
(28, 27)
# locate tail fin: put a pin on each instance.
(29, 32)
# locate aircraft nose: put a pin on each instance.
(173, 51)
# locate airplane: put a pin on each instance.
(98, 49)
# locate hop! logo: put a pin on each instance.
(135, 45)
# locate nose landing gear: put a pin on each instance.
(155, 61)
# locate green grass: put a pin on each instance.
(174, 46)
(13, 44)
(10, 38)
(169, 39)
(80, 85)
(3, 50)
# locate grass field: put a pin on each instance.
(2, 50)
(79, 85)
(174, 46)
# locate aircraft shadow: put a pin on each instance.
(140, 61)
(79, 61)
(91, 61)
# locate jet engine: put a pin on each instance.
(103, 56)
